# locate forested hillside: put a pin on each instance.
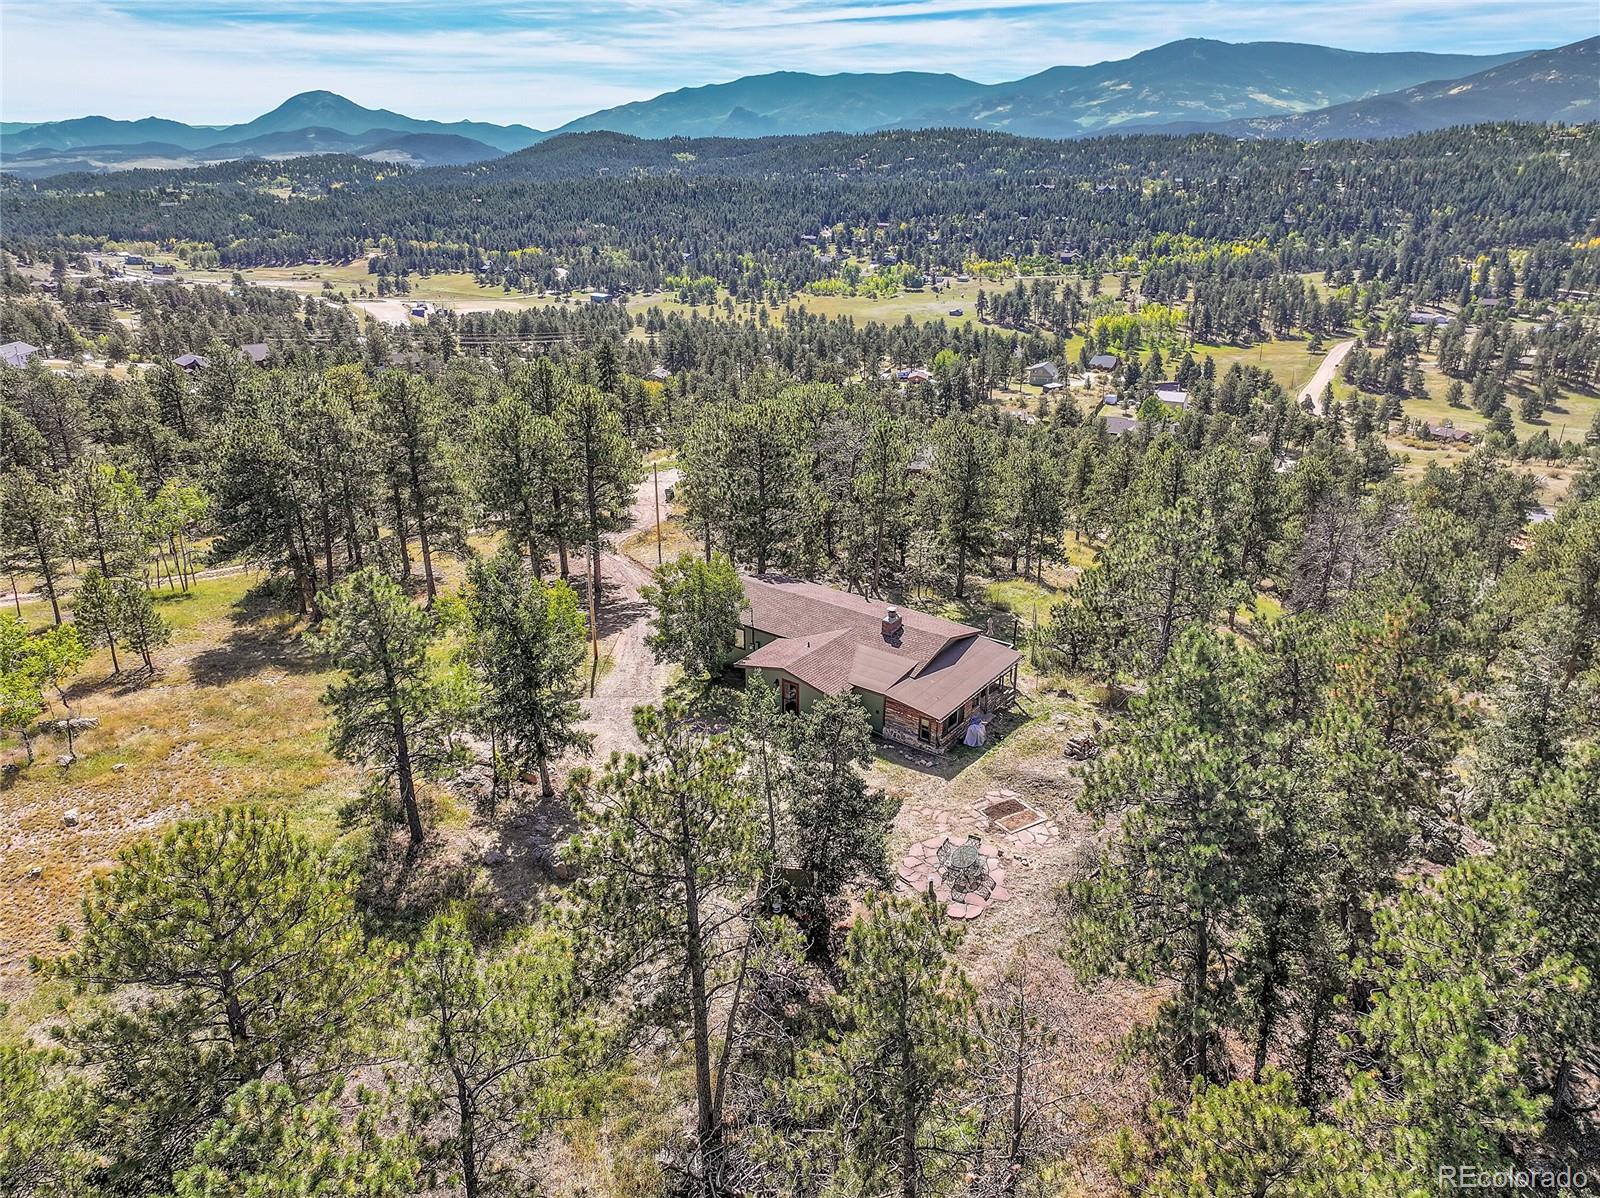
(618, 213)
(384, 816)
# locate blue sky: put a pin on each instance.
(542, 62)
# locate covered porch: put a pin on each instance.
(907, 726)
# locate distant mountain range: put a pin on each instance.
(310, 123)
(1191, 80)
(1550, 85)
(1255, 89)
(379, 145)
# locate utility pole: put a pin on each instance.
(655, 473)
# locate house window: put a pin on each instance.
(791, 696)
(925, 730)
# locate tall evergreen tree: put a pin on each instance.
(1166, 902)
(605, 470)
(962, 492)
(526, 645)
(383, 713)
(499, 1047)
(668, 855)
(884, 1083)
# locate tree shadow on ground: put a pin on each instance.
(399, 888)
(618, 609)
(522, 865)
(262, 637)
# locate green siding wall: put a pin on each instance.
(809, 694)
(874, 706)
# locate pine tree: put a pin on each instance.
(1562, 567)
(1160, 574)
(1167, 900)
(839, 827)
(258, 496)
(763, 471)
(1251, 1138)
(498, 1045)
(46, 1115)
(605, 470)
(883, 1086)
(143, 628)
(108, 509)
(518, 463)
(96, 612)
(271, 1143)
(1469, 1003)
(668, 853)
(963, 489)
(382, 707)
(236, 947)
(526, 644)
(34, 526)
(412, 422)
(883, 493)
(1033, 489)
(1549, 831)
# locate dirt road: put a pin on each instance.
(1319, 381)
(387, 311)
(631, 677)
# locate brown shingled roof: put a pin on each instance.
(833, 641)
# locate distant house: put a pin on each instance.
(18, 353)
(1103, 362)
(163, 268)
(1119, 425)
(659, 375)
(256, 352)
(920, 677)
(1171, 393)
(420, 311)
(191, 362)
(915, 375)
(1447, 432)
(1041, 373)
(599, 297)
(133, 259)
(1427, 318)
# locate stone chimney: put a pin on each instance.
(891, 623)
